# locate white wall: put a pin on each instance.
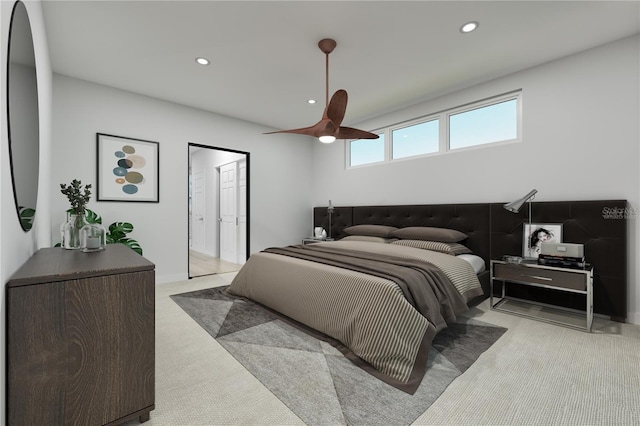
(279, 179)
(580, 142)
(16, 246)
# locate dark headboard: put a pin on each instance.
(494, 232)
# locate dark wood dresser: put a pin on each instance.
(81, 338)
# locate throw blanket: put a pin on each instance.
(423, 284)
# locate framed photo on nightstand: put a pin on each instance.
(537, 233)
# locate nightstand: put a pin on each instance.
(560, 279)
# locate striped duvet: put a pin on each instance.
(366, 313)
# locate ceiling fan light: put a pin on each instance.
(327, 138)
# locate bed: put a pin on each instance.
(383, 297)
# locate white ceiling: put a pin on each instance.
(265, 62)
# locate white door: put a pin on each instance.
(198, 212)
(242, 212)
(228, 212)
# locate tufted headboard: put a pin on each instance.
(494, 232)
(472, 219)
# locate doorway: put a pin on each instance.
(218, 210)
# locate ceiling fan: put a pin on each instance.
(328, 129)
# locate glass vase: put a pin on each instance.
(70, 231)
(92, 237)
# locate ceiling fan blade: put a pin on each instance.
(351, 133)
(310, 131)
(322, 127)
(337, 107)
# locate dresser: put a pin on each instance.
(81, 338)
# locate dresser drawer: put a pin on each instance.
(550, 277)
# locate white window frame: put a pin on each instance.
(517, 96)
(443, 130)
(410, 124)
(386, 151)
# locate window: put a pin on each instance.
(414, 140)
(492, 123)
(493, 120)
(366, 151)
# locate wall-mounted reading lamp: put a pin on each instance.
(515, 206)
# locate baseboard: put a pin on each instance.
(172, 278)
(633, 318)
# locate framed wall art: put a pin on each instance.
(128, 169)
(537, 233)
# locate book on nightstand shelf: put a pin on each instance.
(562, 261)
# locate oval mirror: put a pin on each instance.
(22, 115)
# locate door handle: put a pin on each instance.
(537, 277)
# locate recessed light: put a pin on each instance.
(202, 61)
(469, 27)
(311, 101)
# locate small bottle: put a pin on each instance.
(70, 231)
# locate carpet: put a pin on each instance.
(313, 378)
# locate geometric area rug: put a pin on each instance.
(313, 378)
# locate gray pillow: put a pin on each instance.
(368, 238)
(428, 233)
(371, 230)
